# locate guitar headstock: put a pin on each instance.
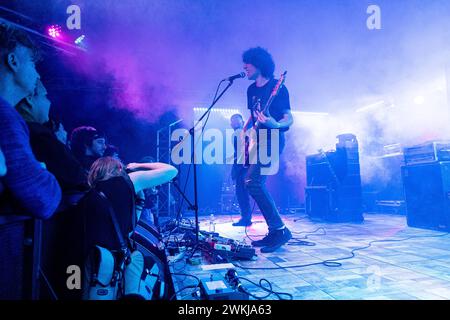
(279, 83)
(275, 92)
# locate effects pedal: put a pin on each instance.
(219, 289)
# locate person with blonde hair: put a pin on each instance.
(143, 175)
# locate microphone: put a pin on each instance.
(236, 76)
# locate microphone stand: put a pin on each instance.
(194, 206)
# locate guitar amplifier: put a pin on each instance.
(333, 192)
(427, 190)
(427, 152)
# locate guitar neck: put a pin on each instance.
(269, 103)
(275, 92)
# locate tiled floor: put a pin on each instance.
(417, 268)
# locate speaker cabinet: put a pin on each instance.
(427, 192)
(333, 191)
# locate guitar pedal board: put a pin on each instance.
(225, 249)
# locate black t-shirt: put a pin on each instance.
(280, 105)
(99, 227)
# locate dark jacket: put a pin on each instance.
(57, 157)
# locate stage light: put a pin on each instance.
(224, 112)
(372, 106)
(419, 100)
(78, 41)
(81, 42)
(54, 31)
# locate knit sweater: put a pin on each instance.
(31, 186)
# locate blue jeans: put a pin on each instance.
(256, 187)
(238, 174)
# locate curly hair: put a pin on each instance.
(261, 59)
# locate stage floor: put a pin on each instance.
(417, 268)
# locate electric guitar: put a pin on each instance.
(250, 140)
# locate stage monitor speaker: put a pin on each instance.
(427, 192)
(318, 202)
(334, 205)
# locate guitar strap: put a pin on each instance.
(123, 242)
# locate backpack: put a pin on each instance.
(121, 274)
(104, 275)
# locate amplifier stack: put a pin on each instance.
(428, 152)
(426, 181)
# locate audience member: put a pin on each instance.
(109, 176)
(46, 146)
(87, 144)
(112, 151)
(59, 130)
(149, 211)
(27, 183)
